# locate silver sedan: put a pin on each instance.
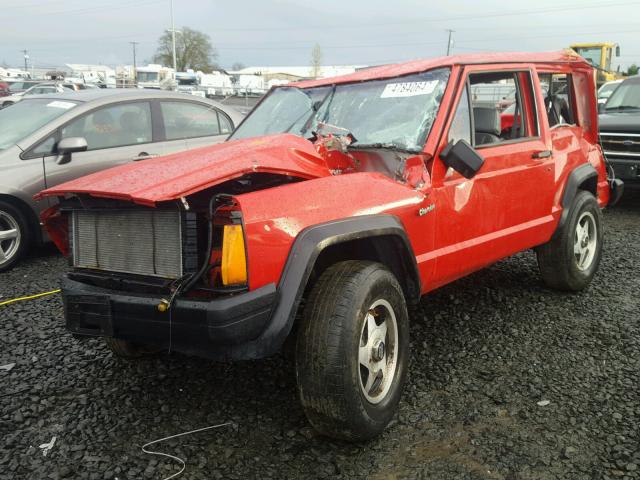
(49, 139)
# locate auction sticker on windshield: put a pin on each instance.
(408, 89)
(59, 104)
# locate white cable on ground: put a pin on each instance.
(173, 457)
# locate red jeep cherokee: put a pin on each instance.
(333, 207)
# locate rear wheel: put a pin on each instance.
(13, 235)
(7, 104)
(570, 260)
(352, 350)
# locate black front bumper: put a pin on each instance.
(219, 329)
(627, 170)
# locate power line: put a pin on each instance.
(364, 24)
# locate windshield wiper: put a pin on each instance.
(384, 146)
(623, 107)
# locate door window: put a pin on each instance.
(558, 98)
(461, 125)
(114, 126)
(226, 126)
(44, 148)
(189, 120)
(503, 107)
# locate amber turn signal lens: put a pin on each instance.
(234, 258)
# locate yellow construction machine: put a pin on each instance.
(600, 56)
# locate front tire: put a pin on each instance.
(14, 235)
(352, 350)
(570, 260)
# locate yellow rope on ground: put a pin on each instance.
(13, 300)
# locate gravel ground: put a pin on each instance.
(508, 380)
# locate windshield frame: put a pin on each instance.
(422, 135)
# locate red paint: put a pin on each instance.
(181, 174)
(455, 225)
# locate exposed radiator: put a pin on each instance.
(154, 242)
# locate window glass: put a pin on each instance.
(45, 147)
(189, 120)
(558, 101)
(225, 124)
(498, 109)
(115, 126)
(461, 125)
(27, 116)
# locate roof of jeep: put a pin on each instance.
(417, 66)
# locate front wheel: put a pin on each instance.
(570, 260)
(352, 350)
(14, 235)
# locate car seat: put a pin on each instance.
(486, 125)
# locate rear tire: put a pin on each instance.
(129, 350)
(7, 104)
(14, 235)
(571, 258)
(352, 350)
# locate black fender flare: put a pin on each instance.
(304, 252)
(577, 177)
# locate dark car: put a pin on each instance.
(49, 139)
(620, 131)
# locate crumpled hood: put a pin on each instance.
(181, 174)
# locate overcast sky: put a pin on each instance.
(283, 32)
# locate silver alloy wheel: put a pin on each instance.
(9, 237)
(585, 241)
(378, 351)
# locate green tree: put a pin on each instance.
(316, 61)
(633, 69)
(193, 50)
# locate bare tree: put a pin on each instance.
(193, 50)
(316, 61)
(238, 66)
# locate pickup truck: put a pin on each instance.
(334, 206)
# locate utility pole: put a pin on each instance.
(173, 39)
(135, 76)
(26, 57)
(450, 41)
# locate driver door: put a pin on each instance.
(506, 207)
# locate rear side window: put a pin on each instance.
(115, 126)
(189, 120)
(502, 106)
(557, 89)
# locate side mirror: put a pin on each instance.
(617, 50)
(601, 107)
(463, 158)
(70, 145)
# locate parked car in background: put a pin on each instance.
(17, 86)
(40, 89)
(619, 121)
(332, 208)
(605, 91)
(49, 139)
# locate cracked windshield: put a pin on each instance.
(391, 113)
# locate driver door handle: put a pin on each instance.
(542, 154)
(143, 156)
